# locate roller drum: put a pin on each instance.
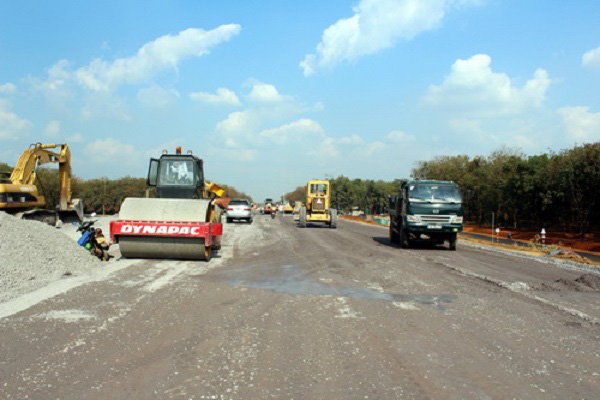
(177, 248)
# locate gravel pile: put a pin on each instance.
(33, 254)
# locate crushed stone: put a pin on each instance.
(33, 254)
(583, 283)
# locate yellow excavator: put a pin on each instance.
(19, 195)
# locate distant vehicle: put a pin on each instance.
(239, 209)
(268, 206)
(429, 211)
(287, 207)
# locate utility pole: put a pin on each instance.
(493, 226)
(104, 197)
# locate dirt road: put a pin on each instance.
(314, 313)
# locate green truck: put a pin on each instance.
(426, 211)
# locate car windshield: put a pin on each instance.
(177, 172)
(318, 188)
(431, 193)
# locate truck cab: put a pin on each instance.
(426, 210)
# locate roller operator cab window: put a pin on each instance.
(318, 188)
(178, 173)
(434, 193)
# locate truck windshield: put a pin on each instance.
(177, 172)
(318, 188)
(432, 193)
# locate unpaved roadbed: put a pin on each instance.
(309, 313)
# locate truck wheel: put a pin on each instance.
(452, 242)
(403, 238)
(333, 218)
(393, 234)
(302, 218)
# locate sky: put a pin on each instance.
(273, 93)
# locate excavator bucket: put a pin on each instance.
(167, 228)
(73, 214)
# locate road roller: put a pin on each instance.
(182, 222)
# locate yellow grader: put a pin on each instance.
(318, 205)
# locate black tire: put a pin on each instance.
(393, 234)
(229, 220)
(403, 239)
(207, 253)
(302, 218)
(333, 218)
(249, 220)
(452, 242)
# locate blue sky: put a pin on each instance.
(273, 93)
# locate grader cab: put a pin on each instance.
(318, 205)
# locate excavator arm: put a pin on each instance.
(38, 154)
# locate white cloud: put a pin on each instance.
(237, 127)
(76, 138)
(57, 86)
(580, 124)
(295, 130)
(370, 149)
(472, 87)
(100, 106)
(52, 129)
(8, 88)
(591, 59)
(376, 25)
(352, 147)
(239, 154)
(157, 97)
(326, 149)
(106, 151)
(223, 96)
(354, 139)
(164, 53)
(264, 92)
(11, 125)
(400, 137)
(356, 147)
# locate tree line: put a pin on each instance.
(100, 195)
(558, 189)
(554, 189)
(368, 196)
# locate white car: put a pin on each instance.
(239, 209)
